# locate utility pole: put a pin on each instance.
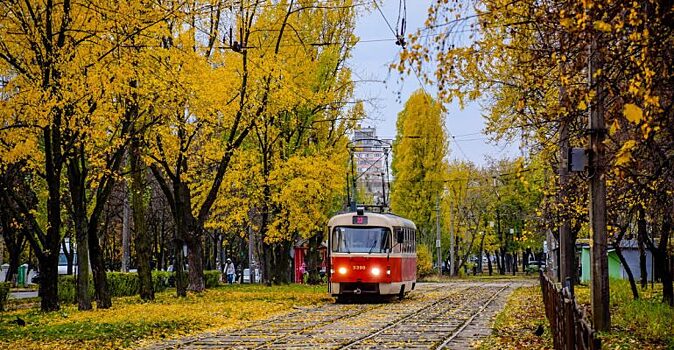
(437, 235)
(451, 236)
(566, 242)
(601, 316)
(354, 199)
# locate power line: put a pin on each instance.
(385, 19)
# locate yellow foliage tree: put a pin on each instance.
(419, 163)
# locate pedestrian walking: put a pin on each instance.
(230, 270)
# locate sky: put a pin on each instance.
(386, 95)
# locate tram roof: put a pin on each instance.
(389, 219)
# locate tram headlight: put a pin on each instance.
(388, 272)
(376, 271)
(342, 270)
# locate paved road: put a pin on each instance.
(22, 295)
(435, 316)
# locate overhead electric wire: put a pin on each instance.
(385, 19)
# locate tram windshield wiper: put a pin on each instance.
(374, 244)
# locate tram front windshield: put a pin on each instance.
(361, 239)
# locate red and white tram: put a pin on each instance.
(371, 254)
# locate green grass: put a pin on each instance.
(646, 322)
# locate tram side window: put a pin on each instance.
(414, 241)
(407, 240)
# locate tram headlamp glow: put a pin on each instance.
(342, 270)
(388, 272)
(376, 271)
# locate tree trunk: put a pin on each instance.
(143, 239)
(69, 254)
(77, 182)
(49, 300)
(178, 264)
(504, 266)
(49, 262)
(266, 263)
(281, 269)
(103, 300)
(83, 298)
(662, 260)
(641, 239)
(126, 233)
(313, 259)
(633, 285)
(479, 262)
(14, 249)
(489, 267)
(195, 259)
(13, 267)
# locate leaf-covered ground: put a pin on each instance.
(514, 327)
(131, 322)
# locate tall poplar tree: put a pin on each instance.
(419, 163)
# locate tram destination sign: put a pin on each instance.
(359, 220)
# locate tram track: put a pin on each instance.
(436, 315)
(472, 317)
(432, 317)
(327, 334)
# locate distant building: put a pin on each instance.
(630, 251)
(371, 157)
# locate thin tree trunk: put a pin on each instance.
(69, 254)
(126, 233)
(628, 270)
(76, 181)
(103, 299)
(178, 263)
(143, 239)
(641, 239)
(312, 259)
(489, 266)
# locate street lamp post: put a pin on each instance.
(437, 235)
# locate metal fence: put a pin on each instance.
(570, 326)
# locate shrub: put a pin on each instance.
(532, 269)
(160, 280)
(424, 261)
(67, 289)
(123, 284)
(212, 278)
(4, 294)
